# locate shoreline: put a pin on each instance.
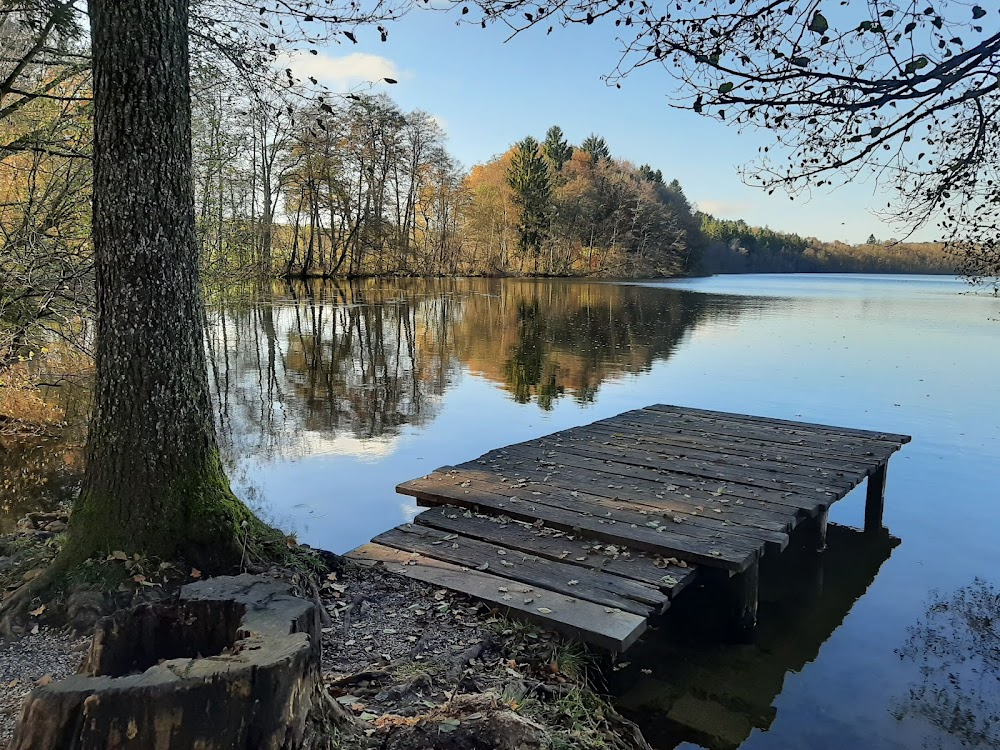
(414, 665)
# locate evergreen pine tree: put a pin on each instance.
(597, 147)
(528, 177)
(555, 149)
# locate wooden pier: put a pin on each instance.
(593, 530)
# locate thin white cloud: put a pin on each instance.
(441, 122)
(723, 208)
(343, 72)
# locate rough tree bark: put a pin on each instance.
(154, 482)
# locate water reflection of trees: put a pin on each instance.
(542, 339)
(36, 473)
(305, 362)
(301, 362)
(297, 368)
(956, 647)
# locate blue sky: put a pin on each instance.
(488, 94)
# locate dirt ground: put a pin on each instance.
(423, 667)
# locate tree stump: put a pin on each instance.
(233, 663)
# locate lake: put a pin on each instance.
(329, 395)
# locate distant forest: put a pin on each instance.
(356, 186)
(736, 247)
(359, 187)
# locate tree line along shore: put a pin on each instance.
(359, 187)
(356, 186)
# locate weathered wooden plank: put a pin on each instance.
(611, 473)
(585, 621)
(720, 453)
(849, 446)
(870, 434)
(674, 439)
(698, 463)
(563, 546)
(743, 537)
(722, 554)
(706, 475)
(601, 588)
(652, 507)
(723, 452)
(626, 514)
(712, 465)
(717, 434)
(552, 478)
(569, 476)
(784, 426)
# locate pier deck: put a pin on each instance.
(595, 529)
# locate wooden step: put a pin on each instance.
(594, 586)
(573, 549)
(606, 627)
(729, 553)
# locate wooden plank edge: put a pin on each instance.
(587, 527)
(683, 576)
(879, 436)
(773, 540)
(621, 629)
(655, 603)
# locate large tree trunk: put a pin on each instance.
(154, 482)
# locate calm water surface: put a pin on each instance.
(330, 395)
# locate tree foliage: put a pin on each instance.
(903, 90)
(590, 217)
(555, 149)
(44, 178)
(528, 177)
(737, 247)
(597, 147)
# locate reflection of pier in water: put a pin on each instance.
(703, 690)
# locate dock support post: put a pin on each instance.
(817, 530)
(875, 500)
(743, 595)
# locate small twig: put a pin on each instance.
(473, 652)
(324, 616)
(243, 556)
(352, 610)
(368, 675)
